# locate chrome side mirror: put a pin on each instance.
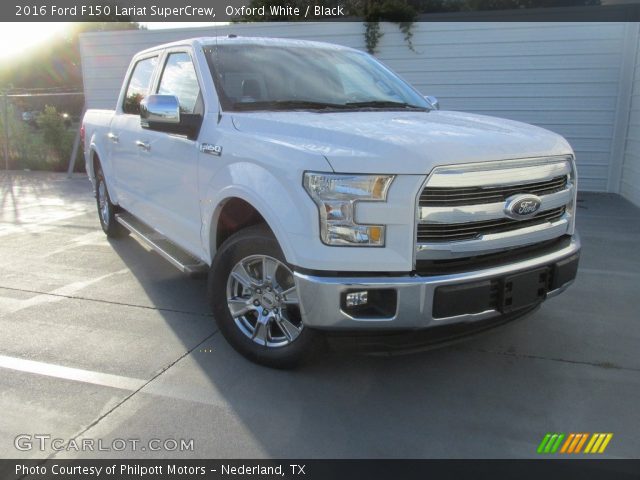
(433, 101)
(159, 110)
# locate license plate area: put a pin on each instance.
(524, 289)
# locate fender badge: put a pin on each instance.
(211, 149)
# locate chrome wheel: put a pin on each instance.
(262, 299)
(103, 203)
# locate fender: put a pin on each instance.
(95, 148)
(246, 181)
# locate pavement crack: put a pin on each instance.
(109, 302)
(606, 365)
(133, 393)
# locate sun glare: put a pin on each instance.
(16, 38)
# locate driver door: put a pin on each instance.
(170, 161)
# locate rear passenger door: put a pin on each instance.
(125, 129)
(170, 161)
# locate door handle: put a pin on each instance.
(113, 137)
(143, 145)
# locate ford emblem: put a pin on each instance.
(522, 206)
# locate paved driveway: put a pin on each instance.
(104, 340)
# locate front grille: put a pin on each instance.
(490, 260)
(454, 196)
(448, 232)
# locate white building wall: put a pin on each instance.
(561, 76)
(630, 182)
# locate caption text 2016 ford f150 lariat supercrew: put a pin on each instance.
(322, 193)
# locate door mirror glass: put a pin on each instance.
(433, 101)
(157, 110)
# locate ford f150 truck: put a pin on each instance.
(322, 193)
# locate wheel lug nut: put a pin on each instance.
(258, 290)
(275, 310)
(265, 312)
(256, 303)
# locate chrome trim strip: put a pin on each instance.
(493, 242)
(501, 173)
(470, 317)
(558, 291)
(487, 211)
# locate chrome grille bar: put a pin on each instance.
(463, 231)
(476, 195)
(462, 209)
(508, 172)
(489, 211)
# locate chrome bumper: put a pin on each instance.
(320, 297)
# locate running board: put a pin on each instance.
(184, 261)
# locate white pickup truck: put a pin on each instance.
(324, 194)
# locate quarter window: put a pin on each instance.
(139, 85)
(179, 79)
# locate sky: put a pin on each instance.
(18, 37)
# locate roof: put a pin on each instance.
(233, 39)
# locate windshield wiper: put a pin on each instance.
(385, 104)
(288, 105)
(322, 106)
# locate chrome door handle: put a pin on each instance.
(113, 137)
(143, 145)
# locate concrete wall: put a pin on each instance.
(561, 76)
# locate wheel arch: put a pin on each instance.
(236, 212)
(95, 156)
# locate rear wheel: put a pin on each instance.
(106, 209)
(255, 301)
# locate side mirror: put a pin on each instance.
(159, 110)
(433, 101)
(162, 113)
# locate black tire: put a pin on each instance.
(107, 211)
(248, 245)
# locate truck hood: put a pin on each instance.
(401, 142)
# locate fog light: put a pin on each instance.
(357, 298)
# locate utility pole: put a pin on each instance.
(6, 129)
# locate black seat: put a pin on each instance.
(251, 88)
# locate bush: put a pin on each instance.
(57, 139)
(46, 148)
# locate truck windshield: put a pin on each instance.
(269, 77)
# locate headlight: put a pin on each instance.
(336, 196)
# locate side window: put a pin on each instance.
(179, 79)
(139, 84)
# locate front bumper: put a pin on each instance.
(413, 300)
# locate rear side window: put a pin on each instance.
(179, 79)
(139, 84)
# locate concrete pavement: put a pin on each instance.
(105, 340)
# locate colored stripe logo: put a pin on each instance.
(574, 443)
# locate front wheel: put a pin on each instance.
(255, 301)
